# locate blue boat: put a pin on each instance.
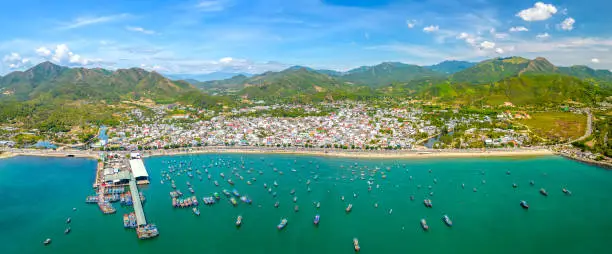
(447, 220)
(524, 204)
(282, 224)
(235, 192)
(316, 220)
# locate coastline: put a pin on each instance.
(393, 154)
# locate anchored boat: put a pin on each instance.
(239, 221)
(424, 224)
(316, 220)
(447, 220)
(356, 244)
(349, 208)
(524, 204)
(282, 224)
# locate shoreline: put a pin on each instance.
(397, 154)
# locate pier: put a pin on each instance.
(140, 217)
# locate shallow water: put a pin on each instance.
(38, 195)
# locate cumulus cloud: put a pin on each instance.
(518, 29)
(139, 30)
(595, 60)
(543, 36)
(468, 38)
(499, 51)
(411, 23)
(487, 45)
(15, 61)
(540, 11)
(226, 60)
(568, 24)
(64, 56)
(431, 29)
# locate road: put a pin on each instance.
(589, 129)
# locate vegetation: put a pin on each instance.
(556, 126)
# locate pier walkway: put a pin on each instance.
(140, 217)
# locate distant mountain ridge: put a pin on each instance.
(82, 83)
(218, 75)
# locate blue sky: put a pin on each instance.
(203, 36)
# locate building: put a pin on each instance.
(139, 171)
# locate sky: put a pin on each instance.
(254, 36)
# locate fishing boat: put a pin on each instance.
(47, 241)
(68, 220)
(447, 220)
(424, 224)
(230, 181)
(188, 183)
(246, 199)
(235, 192)
(292, 192)
(349, 208)
(67, 231)
(524, 204)
(318, 205)
(514, 185)
(265, 186)
(226, 193)
(222, 175)
(543, 192)
(191, 190)
(276, 204)
(147, 231)
(294, 199)
(356, 244)
(296, 208)
(216, 183)
(566, 191)
(216, 195)
(275, 184)
(282, 224)
(126, 221)
(239, 221)
(427, 203)
(233, 201)
(316, 220)
(196, 211)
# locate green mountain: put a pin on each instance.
(93, 84)
(450, 67)
(491, 70)
(387, 73)
(291, 82)
(233, 83)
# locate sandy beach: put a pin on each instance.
(406, 154)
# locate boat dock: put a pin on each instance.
(140, 217)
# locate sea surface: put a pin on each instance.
(38, 194)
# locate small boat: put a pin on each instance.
(375, 205)
(292, 192)
(230, 181)
(216, 183)
(447, 220)
(427, 203)
(356, 244)
(67, 231)
(265, 185)
(275, 184)
(318, 205)
(226, 193)
(349, 208)
(424, 224)
(191, 190)
(282, 224)
(276, 204)
(196, 211)
(508, 172)
(514, 185)
(567, 192)
(543, 192)
(222, 175)
(233, 201)
(296, 208)
(239, 221)
(391, 211)
(342, 198)
(532, 183)
(235, 192)
(294, 199)
(475, 190)
(68, 220)
(47, 241)
(216, 195)
(316, 220)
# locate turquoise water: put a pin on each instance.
(38, 195)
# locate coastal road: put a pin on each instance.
(589, 128)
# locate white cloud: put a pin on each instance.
(62, 55)
(540, 11)
(15, 61)
(430, 29)
(568, 24)
(468, 38)
(595, 60)
(543, 36)
(501, 36)
(139, 29)
(43, 51)
(226, 60)
(210, 5)
(487, 45)
(499, 51)
(411, 23)
(518, 29)
(86, 21)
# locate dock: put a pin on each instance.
(138, 210)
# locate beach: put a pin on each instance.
(374, 154)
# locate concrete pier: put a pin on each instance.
(140, 217)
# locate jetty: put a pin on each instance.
(138, 210)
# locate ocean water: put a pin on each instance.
(38, 194)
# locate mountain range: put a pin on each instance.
(500, 79)
(195, 78)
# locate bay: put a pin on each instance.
(38, 194)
